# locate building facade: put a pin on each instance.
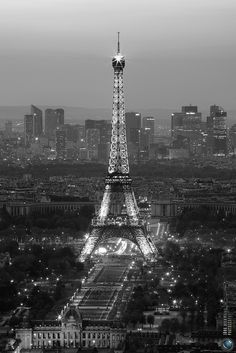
(229, 311)
(217, 131)
(33, 125)
(8, 128)
(37, 120)
(28, 129)
(133, 130)
(60, 144)
(98, 138)
(149, 126)
(54, 118)
(186, 129)
(71, 330)
(92, 142)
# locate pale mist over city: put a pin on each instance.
(117, 176)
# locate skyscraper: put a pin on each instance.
(104, 127)
(149, 126)
(54, 118)
(60, 144)
(28, 128)
(37, 120)
(80, 134)
(133, 130)
(33, 124)
(186, 128)
(92, 142)
(190, 109)
(144, 144)
(186, 121)
(133, 126)
(102, 141)
(8, 128)
(217, 131)
(232, 135)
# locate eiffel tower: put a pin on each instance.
(119, 214)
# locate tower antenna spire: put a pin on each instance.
(118, 43)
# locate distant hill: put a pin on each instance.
(13, 113)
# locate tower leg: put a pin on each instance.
(105, 205)
(147, 247)
(90, 245)
(131, 205)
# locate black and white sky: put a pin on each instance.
(58, 52)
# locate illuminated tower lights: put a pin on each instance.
(118, 181)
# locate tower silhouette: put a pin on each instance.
(119, 214)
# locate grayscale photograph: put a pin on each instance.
(117, 176)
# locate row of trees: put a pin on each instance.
(34, 263)
(150, 169)
(142, 299)
(204, 217)
(78, 221)
(199, 289)
(40, 302)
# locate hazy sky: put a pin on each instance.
(58, 52)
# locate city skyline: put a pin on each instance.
(116, 235)
(186, 52)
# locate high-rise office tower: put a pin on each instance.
(149, 126)
(146, 137)
(103, 151)
(133, 130)
(92, 142)
(190, 109)
(232, 136)
(186, 121)
(37, 120)
(80, 134)
(8, 128)
(71, 132)
(28, 128)
(54, 118)
(74, 133)
(33, 124)
(104, 128)
(133, 126)
(217, 131)
(186, 128)
(144, 145)
(60, 144)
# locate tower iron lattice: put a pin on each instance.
(119, 214)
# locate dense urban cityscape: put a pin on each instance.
(190, 135)
(183, 299)
(117, 235)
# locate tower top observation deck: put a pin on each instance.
(118, 61)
